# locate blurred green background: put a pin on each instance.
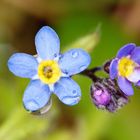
(119, 23)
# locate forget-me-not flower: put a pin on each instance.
(126, 66)
(50, 72)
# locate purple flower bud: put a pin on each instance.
(101, 96)
(105, 94)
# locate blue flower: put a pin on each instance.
(49, 71)
(126, 66)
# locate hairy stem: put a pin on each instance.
(91, 73)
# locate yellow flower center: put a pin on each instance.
(126, 66)
(49, 71)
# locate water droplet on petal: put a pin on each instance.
(70, 100)
(83, 68)
(43, 110)
(74, 92)
(74, 54)
(31, 105)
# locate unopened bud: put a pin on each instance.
(100, 96)
(106, 66)
(105, 94)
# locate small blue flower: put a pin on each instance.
(126, 66)
(49, 71)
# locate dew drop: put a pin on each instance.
(74, 54)
(74, 91)
(43, 110)
(70, 101)
(31, 105)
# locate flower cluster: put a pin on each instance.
(126, 68)
(49, 71)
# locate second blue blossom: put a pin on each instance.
(126, 68)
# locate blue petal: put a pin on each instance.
(136, 55)
(74, 61)
(23, 65)
(36, 96)
(68, 91)
(138, 83)
(135, 76)
(47, 43)
(126, 50)
(125, 86)
(113, 69)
